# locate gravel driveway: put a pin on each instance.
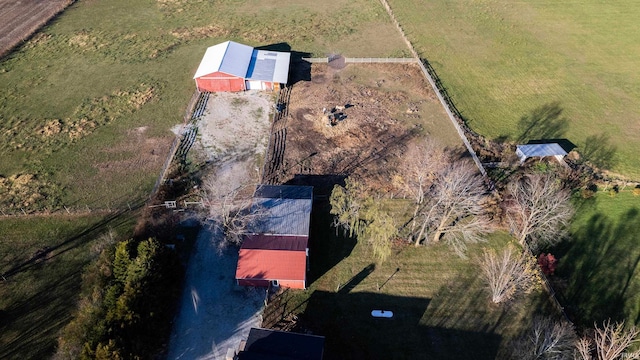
(214, 315)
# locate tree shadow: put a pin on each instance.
(600, 266)
(112, 220)
(299, 69)
(327, 245)
(352, 333)
(544, 122)
(599, 151)
(357, 279)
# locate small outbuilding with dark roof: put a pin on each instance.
(266, 344)
(275, 251)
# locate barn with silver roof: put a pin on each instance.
(231, 66)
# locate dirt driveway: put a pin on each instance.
(215, 315)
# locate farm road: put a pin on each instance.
(213, 316)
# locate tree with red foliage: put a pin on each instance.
(547, 263)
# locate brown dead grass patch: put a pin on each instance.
(201, 32)
(143, 153)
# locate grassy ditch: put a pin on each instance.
(538, 70)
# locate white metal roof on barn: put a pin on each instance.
(540, 150)
(229, 57)
(270, 66)
(287, 210)
(245, 62)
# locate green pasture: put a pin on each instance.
(441, 309)
(597, 276)
(538, 69)
(41, 260)
(72, 96)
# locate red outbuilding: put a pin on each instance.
(231, 66)
(276, 251)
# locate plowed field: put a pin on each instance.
(21, 18)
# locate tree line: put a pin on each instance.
(127, 302)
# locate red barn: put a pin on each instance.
(236, 67)
(275, 252)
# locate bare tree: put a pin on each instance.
(612, 340)
(508, 273)
(583, 349)
(455, 208)
(547, 339)
(421, 168)
(229, 205)
(539, 210)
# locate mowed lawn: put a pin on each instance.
(41, 260)
(86, 106)
(568, 67)
(441, 309)
(599, 269)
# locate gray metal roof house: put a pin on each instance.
(275, 250)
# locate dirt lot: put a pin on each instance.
(19, 19)
(385, 108)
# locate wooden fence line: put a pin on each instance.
(381, 60)
(370, 60)
(436, 89)
(174, 145)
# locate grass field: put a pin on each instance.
(441, 310)
(86, 108)
(567, 69)
(86, 105)
(42, 259)
(598, 269)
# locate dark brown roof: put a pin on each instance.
(275, 242)
(272, 345)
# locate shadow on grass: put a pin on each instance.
(352, 333)
(599, 151)
(600, 266)
(544, 122)
(112, 220)
(41, 293)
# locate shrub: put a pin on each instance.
(547, 263)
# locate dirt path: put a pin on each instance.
(215, 315)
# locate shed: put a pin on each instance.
(540, 150)
(231, 66)
(279, 345)
(275, 250)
